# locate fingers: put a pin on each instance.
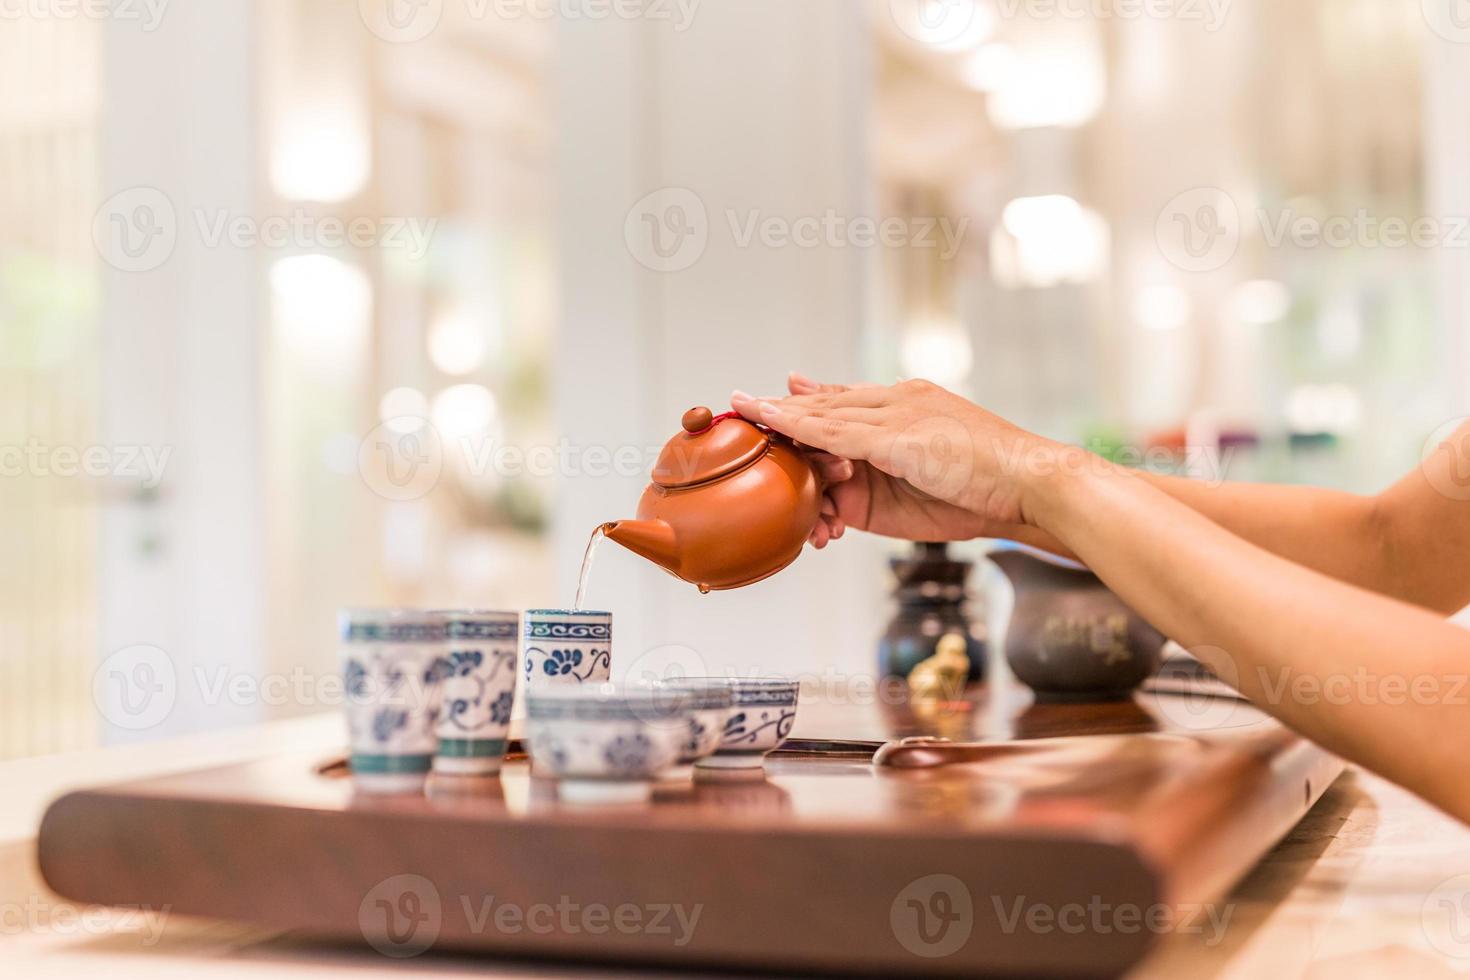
(809, 392)
(799, 384)
(839, 436)
(829, 526)
(832, 469)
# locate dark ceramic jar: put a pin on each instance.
(932, 602)
(1070, 637)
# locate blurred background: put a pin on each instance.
(313, 303)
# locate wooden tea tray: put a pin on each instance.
(822, 862)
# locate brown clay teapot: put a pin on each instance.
(730, 503)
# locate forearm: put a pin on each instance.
(1376, 680)
(1338, 534)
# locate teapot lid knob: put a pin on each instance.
(698, 419)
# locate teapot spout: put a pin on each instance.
(653, 540)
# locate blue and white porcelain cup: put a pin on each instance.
(605, 743)
(762, 713)
(391, 679)
(566, 647)
(709, 708)
(478, 671)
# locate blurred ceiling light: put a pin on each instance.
(320, 154)
(988, 69)
(322, 309)
(1260, 301)
(1051, 81)
(945, 25)
(1161, 307)
(403, 410)
(457, 343)
(1315, 409)
(1048, 240)
(463, 410)
(939, 350)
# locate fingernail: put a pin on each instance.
(768, 410)
(739, 396)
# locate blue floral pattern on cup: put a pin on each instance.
(566, 647)
(762, 714)
(478, 665)
(628, 753)
(392, 682)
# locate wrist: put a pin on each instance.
(1054, 483)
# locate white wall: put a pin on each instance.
(759, 106)
(1447, 178)
(180, 368)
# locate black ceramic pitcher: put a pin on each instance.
(1070, 637)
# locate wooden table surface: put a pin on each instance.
(1357, 889)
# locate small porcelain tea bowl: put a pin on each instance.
(606, 743)
(709, 707)
(762, 711)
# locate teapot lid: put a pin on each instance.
(709, 447)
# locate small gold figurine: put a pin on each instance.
(943, 675)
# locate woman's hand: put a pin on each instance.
(911, 460)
